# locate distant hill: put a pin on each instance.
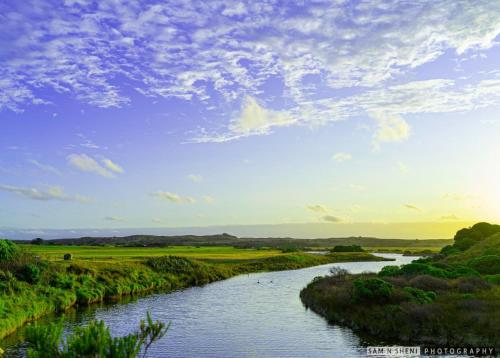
(231, 240)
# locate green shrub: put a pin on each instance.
(423, 269)
(347, 248)
(493, 279)
(450, 250)
(420, 296)
(390, 271)
(62, 280)
(29, 273)
(488, 265)
(289, 249)
(94, 340)
(372, 290)
(8, 251)
(8, 282)
(429, 283)
(172, 264)
(461, 271)
(472, 284)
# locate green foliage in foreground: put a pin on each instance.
(94, 340)
(8, 251)
(450, 299)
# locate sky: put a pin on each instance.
(346, 117)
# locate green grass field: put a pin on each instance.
(100, 253)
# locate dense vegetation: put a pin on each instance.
(32, 286)
(347, 248)
(452, 298)
(230, 240)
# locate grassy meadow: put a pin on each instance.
(121, 253)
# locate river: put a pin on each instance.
(256, 315)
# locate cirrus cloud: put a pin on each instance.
(85, 163)
(342, 157)
(223, 54)
(52, 193)
(172, 197)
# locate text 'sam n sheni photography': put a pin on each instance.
(249, 178)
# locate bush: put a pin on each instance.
(339, 272)
(8, 251)
(289, 249)
(488, 265)
(420, 296)
(472, 284)
(390, 271)
(372, 290)
(8, 282)
(172, 264)
(62, 280)
(347, 248)
(450, 250)
(493, 278)
(92, 341)
(29, 273)
(423, 269)
(429, 283)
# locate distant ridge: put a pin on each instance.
(231, 240)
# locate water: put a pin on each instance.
(256, 315)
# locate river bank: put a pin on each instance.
(450, 299)
(32, 288)
(249, 315)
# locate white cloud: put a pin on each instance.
(208, 199)
(114, 218)
(175, 198)
(318, 208)
(253, 119)
(234, 9)
(221, 52)
(88, 164)
(196, 178)
(52, 193)
(331, 219)
(112, 166)
(451, 217)
(390, 127)
(403, 168)
(342, 157)
(412, 207)
(456, 197)
(45, 167)
(356, 187)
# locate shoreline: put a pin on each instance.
(203, 273)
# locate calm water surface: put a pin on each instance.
(256, 315)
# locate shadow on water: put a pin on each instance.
(256, 315)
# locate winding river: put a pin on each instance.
(256, 315)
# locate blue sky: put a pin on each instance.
(165, 114)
